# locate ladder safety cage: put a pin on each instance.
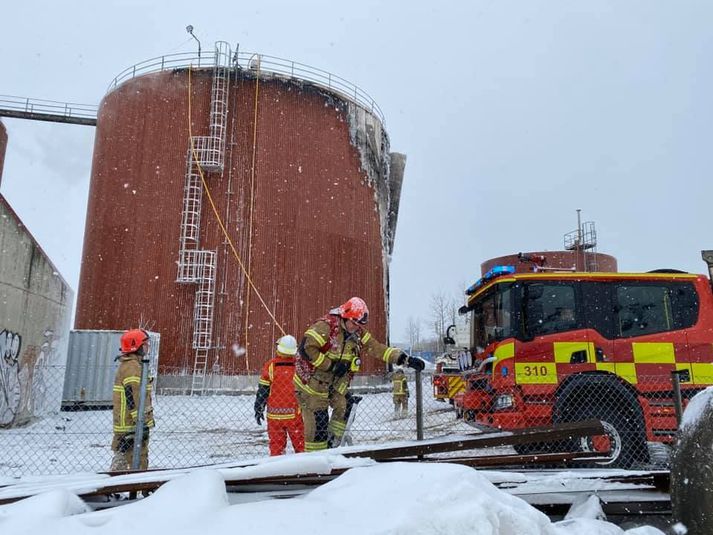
(195, 265)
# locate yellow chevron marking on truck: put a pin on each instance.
(455, 385)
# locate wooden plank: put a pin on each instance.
(518, 460)
(564, 431)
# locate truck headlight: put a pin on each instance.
(503, 401)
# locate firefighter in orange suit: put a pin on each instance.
(329, 356)
(276, 391)
(400, 391)
(127, 386)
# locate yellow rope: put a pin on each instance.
(218, 218)
(252, 204)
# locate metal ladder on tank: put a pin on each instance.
(195, 265)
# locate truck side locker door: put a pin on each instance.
(599, 324)
(693, 311)
(648, 342)
(553, 341)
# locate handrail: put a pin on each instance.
(50, 107)
(268, 64)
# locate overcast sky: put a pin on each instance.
(513, 114)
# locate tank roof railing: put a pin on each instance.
(247, 61)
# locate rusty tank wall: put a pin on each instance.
(587, 261)
(35, 312)
(307, 219)
(3, 148)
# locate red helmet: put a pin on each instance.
(132, 340)
(355, 309)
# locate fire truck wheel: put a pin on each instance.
(605, 398)
(623, 436)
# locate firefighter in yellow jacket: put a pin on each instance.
(401, 393)
(127, 381)
(329, 356)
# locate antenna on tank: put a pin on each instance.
(189, 29)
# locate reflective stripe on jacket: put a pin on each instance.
(126, 395)
(322, 345)
(400, 385)
(277, 374)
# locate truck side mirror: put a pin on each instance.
(448, 339)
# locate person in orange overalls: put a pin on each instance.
(276, 392)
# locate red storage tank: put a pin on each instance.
(307, 194)
(554, 260)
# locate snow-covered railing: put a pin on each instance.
(250, 62)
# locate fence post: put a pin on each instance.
(419, 406)
(677, 403)
(140, 417)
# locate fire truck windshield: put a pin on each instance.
(492, 315)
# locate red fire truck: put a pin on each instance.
(557, 347)
(448, 379)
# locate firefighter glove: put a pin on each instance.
(415, 363)
(340, 368)
(259, 417)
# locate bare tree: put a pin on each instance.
(413, 333)
(440, 315)
(452, 311)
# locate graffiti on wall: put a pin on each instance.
(10, 346)
(30, 377)
(38, 366)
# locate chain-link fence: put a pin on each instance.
(216, 427)
(638, 411)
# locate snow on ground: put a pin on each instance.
(391, 498)
(370, 498)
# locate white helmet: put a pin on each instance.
(287, 345)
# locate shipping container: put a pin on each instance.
(91, 364)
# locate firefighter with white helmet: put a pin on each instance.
(400, 392)
(127, 390)
(276, 393)
(329, 356)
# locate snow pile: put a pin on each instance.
(696, 407)
(394, 499)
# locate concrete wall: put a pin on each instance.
(35, 311)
